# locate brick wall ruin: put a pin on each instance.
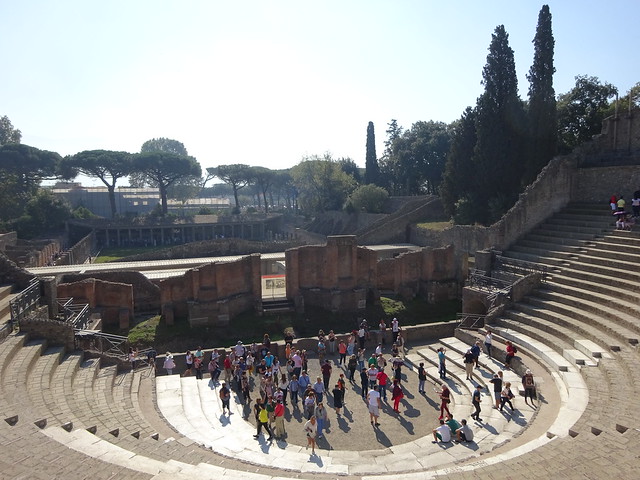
(113, 300)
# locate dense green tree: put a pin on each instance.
(500, 129)
(237, 176)
(285, 189)
(321, 183)
(372, 170)
(166, 145)
(22, 168)
(8, 134)
(105, 165)
(542, 142)
(164, 169)
(417, 158)
(350, 167)
(582, 110)
(43, 214)
(624, 104)
(394, 131)
(263, 179)
(458, 180)
(370, 198)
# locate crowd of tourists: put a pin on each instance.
(625, 220)
(275, 384)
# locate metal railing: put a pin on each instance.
(519, 267)
(100, 342)
(470, 320)
(78, 315)
(25, 301)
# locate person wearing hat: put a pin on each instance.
(529, 386)
(169, 363)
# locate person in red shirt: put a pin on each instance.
(278, 415)
(383, 379)
(326, 374)
(511, 352)
(396, 395)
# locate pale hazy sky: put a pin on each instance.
(267, 82)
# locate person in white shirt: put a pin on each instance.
(373, 398)
(395, 328)
(442, 433)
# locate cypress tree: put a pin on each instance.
(500, 124)
(543, 120)
(372, 170)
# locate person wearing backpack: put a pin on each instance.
(225, 396)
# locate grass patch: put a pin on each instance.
(111, 254)
(249, 327)
(437, 226)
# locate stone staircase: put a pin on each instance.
(586, 320)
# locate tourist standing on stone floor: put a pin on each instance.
(497, 387)
(309, 404)
(400, 342)
(284, 388)
(287, 351)
(133, 353)
(311, 430)
(505, 396)
(197, 365)
(373, 376)
(613, 203)
(321, 418)
(278, 415)
(351, 344)
(361, 336)
(266, 344)
(249, 362)
(383, 380)
(395, 329)
(352, 366)
(228, 365)
(322, 350)
(442, 362)
(326, 373)
(373, 398)
(305, 360)
(294, 388)
(382, 327)
(468, 363)
(381, 363)
(364, 382)
(475, 349)
(475, 401)
(225, 396)
(422, 377)
(395, 351)
(169, 364)
(342, 351)
(445, 399)
(244, 385)
(297, 363)
(396, 395)
(318, 389)
(635, 204)
(304, 381)
(188, 358)
(361, 358)
(331, 339)
(397, 365)
(338, 396)
(488, 341)
(529, 386)
(343, 386)
(262, 419)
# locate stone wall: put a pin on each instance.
(11, 274)
(38, 325)
(10, 238)
(146, 295)
(216, 292)
(432, 273)
(113, 300)
(597, 184)
(336, 276)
